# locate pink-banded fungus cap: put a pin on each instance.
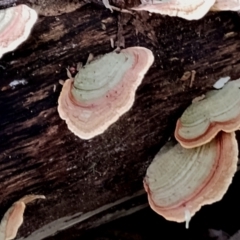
(179, 181)
(187, 9)
(13, 218)
(223, 5)
(103, 90)
(15, 26)
(218, 111)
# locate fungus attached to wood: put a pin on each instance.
(13, 218)
(187, 9)
(218, 111)
(103, 90)
(179, 181)
(15, 26)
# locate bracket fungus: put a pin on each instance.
(13, 218)
(103, 90)
(187, 9)
(15, 26)
(179, 181)
(218, 111)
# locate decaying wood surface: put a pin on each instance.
(39, 155)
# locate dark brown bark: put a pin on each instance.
(39, 155)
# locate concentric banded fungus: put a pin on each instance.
(218, 111)
(13, 218)
(180, 181)
(15, 26)
(223, 5)
(187, 9)
(103, 90)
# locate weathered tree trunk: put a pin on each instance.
(39, 155)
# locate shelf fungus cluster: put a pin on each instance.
(15, 26)
(103, 90)
(187, 9)
(197, 170)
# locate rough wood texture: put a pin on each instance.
(39, 155)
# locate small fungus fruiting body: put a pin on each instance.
(187, 9)
(226, 5)
(15, 26)
(179, 181)
(103, 90)
(13, 218)
(218, 111)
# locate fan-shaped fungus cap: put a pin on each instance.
(223, 5)
(13, 218)
(180, 181)
(15, 26)
(218, 111)
(187, 9)
(103, 90)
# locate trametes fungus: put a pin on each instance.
(103, 90)
(218, 111)
(187, 9)
(223, 5)
(15, 26)
(179, 181)
(13, 218)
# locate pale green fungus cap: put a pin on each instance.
(179, 181)
(218, 111)
(103, 90)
